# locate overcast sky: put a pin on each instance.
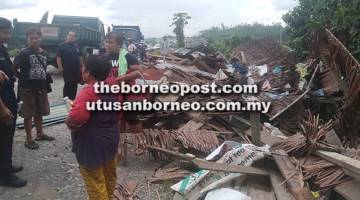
(154, 17)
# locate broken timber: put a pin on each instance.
(349, 191)
(255, 128)
(292, 175)
(229, 168)
(214, 166)
(351, 166)
(276, 179)
(279, 189)
(299, 97)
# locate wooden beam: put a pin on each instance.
(259, 189)
(241, 119)
(203, 164)
(350, 166)
(223, 167)
(191, 125)
(255, 128)
(292, 175)
(350, 191)
(277, 180)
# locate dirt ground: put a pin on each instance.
(52, 171)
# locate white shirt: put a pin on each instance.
(131, 48)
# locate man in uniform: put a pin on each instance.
(8, 112)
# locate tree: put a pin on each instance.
(224, 38)
(179, 21)
(342, 17)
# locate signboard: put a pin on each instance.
(49, 31)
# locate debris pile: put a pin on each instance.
(300, 148)
(169, 173)
(304, 147)
(266, 50)
(346, 70)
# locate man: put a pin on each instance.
(132, 47)
(8, 109)
(32, 63)
(113, 44)
(69, 62)
(118, 58)
(142, 50)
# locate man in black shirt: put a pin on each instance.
(142, 50)
(8, 112)
(113, 43)
(69, 62)
(32, 62)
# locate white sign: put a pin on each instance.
(49, 31)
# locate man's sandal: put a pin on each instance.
(31, 145)
(45, 137)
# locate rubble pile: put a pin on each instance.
(305, 147)
(264, 51)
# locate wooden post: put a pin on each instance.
(255, 128)
(243, 59)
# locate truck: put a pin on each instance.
(89, 30)
(132, 33)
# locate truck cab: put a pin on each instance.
(89, 31)
(132, 33)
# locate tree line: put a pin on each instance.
(342, 17)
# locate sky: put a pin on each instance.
(155, 16)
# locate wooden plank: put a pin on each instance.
(260, 189)
(211, 125)
(276, 179)
(292, 175)
(241, 119)
(191, 125)
(349, 191)
(167, 57)
(212, 165)
(255, 128)
(229, 168)
(350, 166)
(332, 138)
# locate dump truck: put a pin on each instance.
(89, 30)
(129, 33)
